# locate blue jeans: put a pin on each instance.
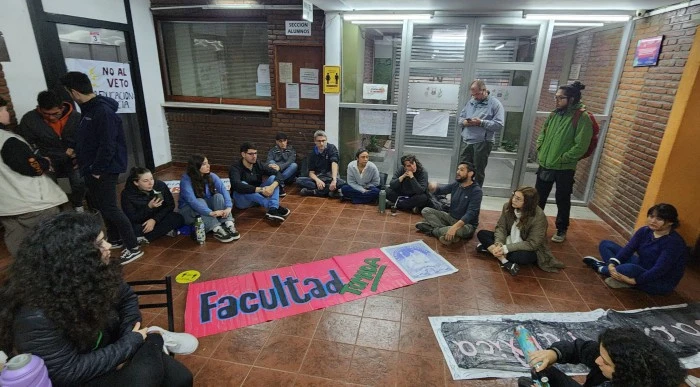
(243, 201)
(309, 183)
(629, 267)
(215, 203)
(358, 197)
(289, 172)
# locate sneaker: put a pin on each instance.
(511, 267)
(615, 284)
(425, 227)
(307, 192)
(283, 211)
(481, 249)
(445, 242)
(176, 343)
(614, 261)
(173, 233)
(142, 240)
(231, 229)
(559, 237)
(274, 215)
(415, 210)
(222, 235)
(130, 255)
(594, 263)
(282, 193)
(116, 245)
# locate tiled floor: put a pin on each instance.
(383, 340)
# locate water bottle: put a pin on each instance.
(25, 370)
(199, 231)
(382, 201)
(528, 344)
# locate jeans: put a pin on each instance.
(565, 186)
(149, 366)
(477, 154)
(215, 203)
(487, 238)
(243, 201)
(629, 267)
(102, 196)
(407, 202)
(358, 197)
(77, 185)
(171, 221)
(289, 172)
(442, 221)
(309, 183)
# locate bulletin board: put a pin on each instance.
(306, 56)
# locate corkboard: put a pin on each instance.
(300, 56)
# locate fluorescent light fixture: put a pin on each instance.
(387, 16)
(377, 22)
(500, 46)
(569, 17)
(560, 24)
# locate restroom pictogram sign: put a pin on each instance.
(331, 79)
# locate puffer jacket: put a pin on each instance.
(35, 333)
(42, 136)
(135, 203)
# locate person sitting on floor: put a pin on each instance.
(282, 157)
(520, 236)
(249, 185)
(203, 194)
(150, 206)
(66, 302)
(465, 204)
(408, 189)
(363, 179)
(622, 357)
(653, 260)
(323, 177)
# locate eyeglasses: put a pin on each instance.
(560, 97)
(251, 153)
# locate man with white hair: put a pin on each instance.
(323, 177)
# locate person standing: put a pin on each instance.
(50, 128)
(27, 195)
(559, 147)
(480, 118)
(101, 153)
(282, 157)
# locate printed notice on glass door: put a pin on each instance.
(292, 96)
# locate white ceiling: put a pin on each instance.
(467, 6)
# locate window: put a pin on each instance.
(215, 62)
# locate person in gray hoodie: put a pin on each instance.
(363, 180)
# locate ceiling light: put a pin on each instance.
(560, 24)
(377, 22)
(569, 17)
(387, 16)
(500, 46)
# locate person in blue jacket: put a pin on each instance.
(202, 193)
(652, 261)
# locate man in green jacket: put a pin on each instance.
(559, 147)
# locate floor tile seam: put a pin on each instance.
(272, 332)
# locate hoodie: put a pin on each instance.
(101, 143)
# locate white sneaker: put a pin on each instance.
(177, 343)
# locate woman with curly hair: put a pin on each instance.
(408, 189)
(653, 261)
(520, 233)
(622, 357)
(202, 193)
(65, 301)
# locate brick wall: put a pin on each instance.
(641, 110)
(219, 134)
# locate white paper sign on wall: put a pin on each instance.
(512, 97)
(297, 28)
(433, 96)
(110, 79)
(307, 12)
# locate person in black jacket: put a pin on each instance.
(622, 357)
(408, 189)
(150, 206)
(101, 153)
(50, 128)
(65, 301)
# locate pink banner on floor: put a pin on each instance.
(235, 302)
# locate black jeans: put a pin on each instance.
(565, 186)
(171, 221)
(102, 196)
(477, 154)
(77, 183)
(419, 200)
(149, 367)
(487, 238)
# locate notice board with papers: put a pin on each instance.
(301, 64)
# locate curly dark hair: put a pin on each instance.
(59, 270)
(639, 360)
(198, 179)
(413, 159)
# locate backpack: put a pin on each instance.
(596, 131)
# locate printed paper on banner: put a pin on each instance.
(431, 124)
(376, 122)
(109, 79)
(418, 261)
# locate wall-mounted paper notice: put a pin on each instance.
(308, 76)
(309, 91)
(376, 122)
(263, 90)
(285, 72)
(292, 96)
(263, 73)
(431, 124)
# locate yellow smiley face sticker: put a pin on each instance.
(187, 276)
